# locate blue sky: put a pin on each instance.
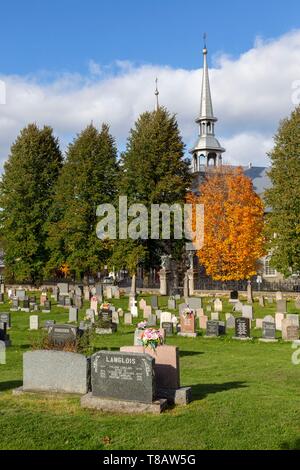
(63, 35)
(66, 63)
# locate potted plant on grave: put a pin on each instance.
(151, 338)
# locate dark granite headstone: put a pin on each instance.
(234, 295)
(15, 304)
(3, 334)
(61, 300)
(1, 298)
(168, 327)
(47, 306)
(242, 327)
(62, 334)
(268, 330)
(212, 328)
(25, 304)
(123, 376)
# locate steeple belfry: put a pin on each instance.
(157, 95)
(207, 150)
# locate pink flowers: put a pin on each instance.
(151, 338)
(142, 325)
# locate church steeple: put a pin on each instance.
(157, 95)
(207, 149)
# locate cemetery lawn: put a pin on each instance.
(246, 395)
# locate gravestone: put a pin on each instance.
(168, 327)
(123, 376)
(281, 306)
(154, 301)
(134, 311)
(181, 307)
(142, 304)
(242, 328)
(152, 320)
(215, 316)
(63, 288)
(247, 311)
(115, 318)
(203, 321)
(147, 311)
(278, 296)
(68, 301)
(268, 331)
(230, 321)
(20, 294)
(194, 303)
(86, 293)
(15, 305)
(109, 294)
(218, 305)
(6, 318)
(120, 312)
(1, 298)
(297, 302)
(73, 314)
(94, 304)
(234, 295)
(78, 302)
(199, 312)
(47, 307)
(90, 315)
(212, 329)
(43, 299)
(2, 288)
(165, 317)
(60, 335)
(55, 371)
(187, 325)
(258, 323)
(137, 341)
(166, 367)
(238, 307)
(278, 320)
(61, 300)
(127, 319)
(294, 318)
(261, 301)
(171, 303)
(34, 322)
(290, 332)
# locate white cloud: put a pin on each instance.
(250, 95)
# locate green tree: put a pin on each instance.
(88, 178)
(154, 171)
(283, 198)
(26, 191)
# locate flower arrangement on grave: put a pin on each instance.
(142, 325)
(105, 306)
(187, 312)
(151, 338)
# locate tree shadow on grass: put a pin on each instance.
(190, 353)
(10, 385)
(201, 391)
(294, 445)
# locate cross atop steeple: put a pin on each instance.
(157, 95)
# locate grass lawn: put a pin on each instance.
(246, 395)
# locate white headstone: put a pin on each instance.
(278, 320)
(218, 305)
(165, 317)
(34, 322)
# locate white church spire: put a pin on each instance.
(207, 150)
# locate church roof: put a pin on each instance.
(259, 177)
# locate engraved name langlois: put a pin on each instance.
(120, 360)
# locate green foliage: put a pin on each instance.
(284, 197)
(88, 179)
(26, 191)
(154, 171)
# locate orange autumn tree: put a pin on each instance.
(233, 225)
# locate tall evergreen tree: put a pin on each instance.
(88, 178)
(26, 191)
(154, 171)
(283, 198)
